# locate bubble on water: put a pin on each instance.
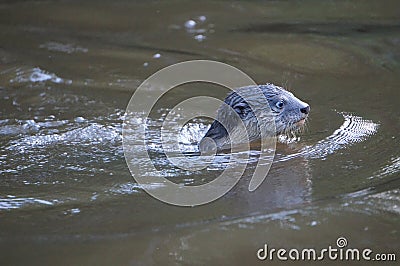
(190, 24)
(314, 223)
(157, 55)
(145, 64)
(202, 18)
(200, 37)
(80, 119)
(75, 210)
(72, 211)
(50, 117)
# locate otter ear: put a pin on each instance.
(242, 109)
(216, 131)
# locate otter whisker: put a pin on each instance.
(306, 125)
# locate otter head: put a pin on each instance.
(245, 104)
(290, 113)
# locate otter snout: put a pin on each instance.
(305, 110)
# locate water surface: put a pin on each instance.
(68, 69)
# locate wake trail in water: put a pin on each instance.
(353, 130)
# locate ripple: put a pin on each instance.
(387, 201)
(94, 133)
(353, 130)
(35, 75)
(68, 48)
(390, 169)
(12, 202)
(313, 57)
(131, 187)
(85, 144)
(20, 126)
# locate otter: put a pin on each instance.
(288, 112)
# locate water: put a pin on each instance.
(68, 69)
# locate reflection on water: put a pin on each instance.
(67, 70)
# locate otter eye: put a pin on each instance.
(279, 104)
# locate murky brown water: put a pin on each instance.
(68, 69)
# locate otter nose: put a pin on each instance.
(305, 110)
